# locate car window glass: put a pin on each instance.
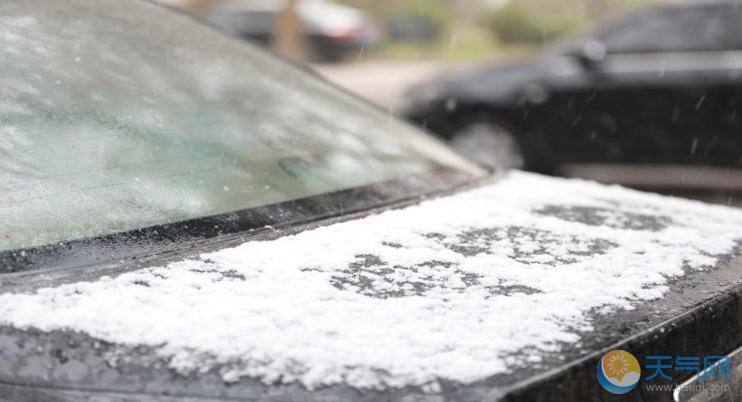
(117, 115)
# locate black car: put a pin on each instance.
(184, 217)
(331, 31)
(659, 87)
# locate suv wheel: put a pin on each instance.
(489, 144)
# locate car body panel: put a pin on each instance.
(497, 287)
(501, 270)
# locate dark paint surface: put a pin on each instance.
(700, 315)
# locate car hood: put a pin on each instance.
(481, 284)
(500, 83)
(491, 82)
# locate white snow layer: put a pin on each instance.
(461, 287)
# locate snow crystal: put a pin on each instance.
(454, 288)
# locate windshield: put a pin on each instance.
(119, 115)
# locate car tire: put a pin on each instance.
(489, 144)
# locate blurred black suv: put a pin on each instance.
(661, 86)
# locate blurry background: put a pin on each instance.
(642, 93)
(379, 48)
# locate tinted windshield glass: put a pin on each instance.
(117, 115)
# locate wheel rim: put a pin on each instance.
(489, 144)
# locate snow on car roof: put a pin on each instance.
(460, 288)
